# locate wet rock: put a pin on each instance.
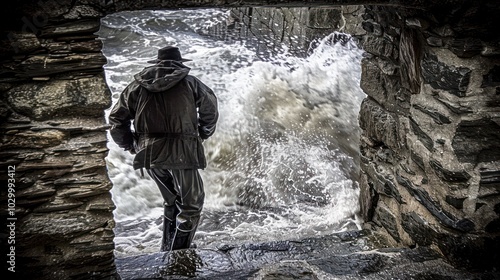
(46, 65)
(35, 192)
(324, 18)
(492, 78)
(327, 257)
(388, 220)
(435, 42)
(490, 178)
(380, 82)
(382, 183)
(57, 205)
(83, 11)
(85, 26)
(5, 111)
(438, 117)
(44, 165)
(443, 216)
(23, 42)
(418, 160)
(287, 271)
(446, 77)
(352, 264)
(477, 141)
(419, 23)
(379, 124)
(60, 97)
(380, 46)
(41, 139)
(466, 47)
(422, 136)
(449, 175)
(391, 190)
(469, 251)
(368, 198)
(410, 53)
(70, 224)
(456, 107)
(455, 202)
(418, 229)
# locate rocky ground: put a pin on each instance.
(349, 255)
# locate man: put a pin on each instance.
(173, 112)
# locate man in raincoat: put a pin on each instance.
(172, 113)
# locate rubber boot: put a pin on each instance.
(169, 226)
(182, 239)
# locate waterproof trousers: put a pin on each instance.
(183, 195)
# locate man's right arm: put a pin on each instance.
(208, 111)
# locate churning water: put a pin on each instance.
(282, 163)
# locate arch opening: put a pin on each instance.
(283, 162)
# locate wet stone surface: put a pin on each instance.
(339, 256)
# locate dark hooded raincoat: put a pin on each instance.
(172, 113)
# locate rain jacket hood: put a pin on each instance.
(162, 76)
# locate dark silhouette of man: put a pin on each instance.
(172, 113)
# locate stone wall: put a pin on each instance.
(431, 129)
(53, 146)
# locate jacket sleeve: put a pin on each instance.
(208, 113)
(121, 115)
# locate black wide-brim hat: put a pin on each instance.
(169, 53)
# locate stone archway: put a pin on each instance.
(430, 142)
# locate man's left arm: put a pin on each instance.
(120, 120)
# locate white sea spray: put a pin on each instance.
(282, 162)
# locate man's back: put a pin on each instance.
(172, 113)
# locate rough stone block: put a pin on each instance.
(457, 107)
(380, 181)
(418, 160)
(418, 228)
(23, 42)
(380, 80)
(86, 26)
(380, 47)
(457, 202)
(492, 78)
(466, 47)
(46, 65)
(388, 220)
(43, 100)
(446, 77)
(436, 116)
(469, 251)
(422, 136)
(435, 208)
(368, 198)
(449, 175)
(490, 178)
(32, 139)
(477, 141)
(410, 55)
(379, 124)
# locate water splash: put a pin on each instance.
(282, 164)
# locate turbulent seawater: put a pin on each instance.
(282, 164)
